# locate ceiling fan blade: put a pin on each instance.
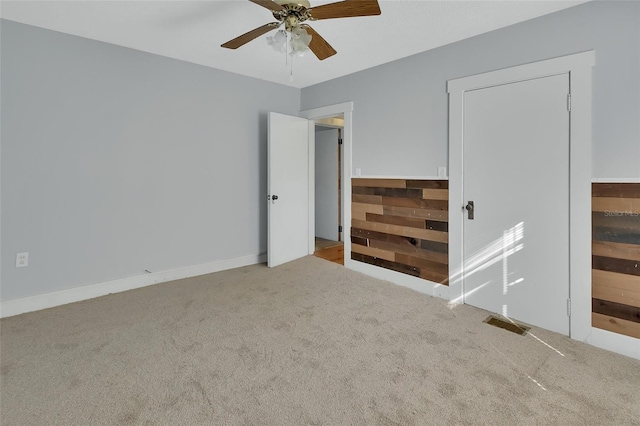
(318, 45)
(247, 37)
(346, 9)
(269, 4)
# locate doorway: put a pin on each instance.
(516, 174)
(328, 214)
(579, 102)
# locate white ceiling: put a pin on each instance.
(194, 30)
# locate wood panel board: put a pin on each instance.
(367, 199)
(421, 263)
(615, 280)
(388, 192)
(398, 267)
(397, 220)
(435, 184)
(374, 252)
(383, 183)
(435, 194)
(619, 190)
(618, 295)
(616, 325)
(616, 206)
(381, 236)
(621, 266)
(617, 250)
(411, 251)
(415, 203)
(405, 231)
(617, 310)
(439, 215)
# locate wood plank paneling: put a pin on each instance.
(615, 294)
(618, 310)
(440, 215)
(408, 231)
(617, 250)
(374, 252)
(616, 190)
(411, 251)
(405, 231)
(388, 192)
(621, 266)
(616, 257)
(367, 199)
(380, 183)
(435, 184)
(435, 194)
(615, 280)
(394, 266)
(397, 220)
(415, 203)
(616, 205)
(616, 325)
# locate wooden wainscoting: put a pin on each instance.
(403, 225)
(616, 257)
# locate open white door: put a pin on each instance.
(288, 188)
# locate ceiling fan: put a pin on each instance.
(292, 13)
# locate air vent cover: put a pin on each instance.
(507, 325)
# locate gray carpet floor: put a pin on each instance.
(309, 342)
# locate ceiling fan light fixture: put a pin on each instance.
(278, 41)
(300, 39)
(292, 14)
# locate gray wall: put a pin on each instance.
(115, 161)
(401, 108)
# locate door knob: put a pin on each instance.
(274, 197)
(470, 209)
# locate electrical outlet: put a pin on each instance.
(442, 172)
(22, 260)
(358, 171)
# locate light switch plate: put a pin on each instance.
(22, 260)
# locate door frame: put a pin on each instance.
(346, 109)
(579, 67)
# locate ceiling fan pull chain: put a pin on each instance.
(291, 72)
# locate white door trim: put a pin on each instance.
(579, 66)
(345, 108)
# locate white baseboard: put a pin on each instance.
(614, 342)
(603, 339)
(49, 300)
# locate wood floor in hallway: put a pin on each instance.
(333, 251)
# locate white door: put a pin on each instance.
(288, 187)
(326, 184)
(516, 171)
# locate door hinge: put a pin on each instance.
(568, 307)
(569, 102)
(340, 141)
(339, 228)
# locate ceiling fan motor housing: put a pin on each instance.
(292, 15)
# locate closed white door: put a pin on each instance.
(288, 186)
(516, 172)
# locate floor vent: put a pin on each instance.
(507, 325)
